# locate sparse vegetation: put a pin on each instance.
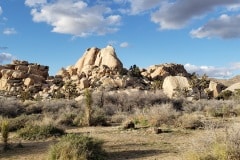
(139, 112)
(77, 147)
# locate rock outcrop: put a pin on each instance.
(93, 57)
(97, 69)
(173, 83)
(164, 70)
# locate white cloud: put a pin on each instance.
(212, 71)
(225, 27)
(177, 14)
(33, 3)
(77, 18)
(9, 31)
(1, 11)
(124, 45)
(6, 57)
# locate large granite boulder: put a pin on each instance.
(233, 87)
(172, 83)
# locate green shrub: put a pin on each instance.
(36, 132)
(77, 147)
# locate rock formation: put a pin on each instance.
(98, 69)
(21, 75)
(164, 70)
(93, 57)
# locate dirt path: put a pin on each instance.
(138, 144)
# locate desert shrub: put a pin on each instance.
(128, 124)
(99, 117)
(119, 117)
(77, 147)
(189, 121)
(225, 95)
(222, 110)
(21, 121)
(37, 132)
(67, 119)
(10, 108)
(156, 115)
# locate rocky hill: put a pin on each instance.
(98, 69)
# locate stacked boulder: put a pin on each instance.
(97, 67)
(21, 76)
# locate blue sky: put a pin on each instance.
(202, 35)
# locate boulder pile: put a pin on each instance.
(21, 75)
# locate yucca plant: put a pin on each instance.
(5, 133)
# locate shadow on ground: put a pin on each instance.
(133, 154)
(30, 148)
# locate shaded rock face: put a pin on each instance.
(99, 57)
(171, 83)
(216, 88)
(21, 75)
(164, 70)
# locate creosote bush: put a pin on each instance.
(37, 132)
(77, 147)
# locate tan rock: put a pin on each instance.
(171, 83)
(22, 68)
(36, 78)
(28, 82)
(3, 84)
(7, 73)
(19, 75)
(216, 88)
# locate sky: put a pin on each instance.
(202, 35)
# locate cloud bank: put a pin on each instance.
(212, 71)
(84, 18)
(225, 27)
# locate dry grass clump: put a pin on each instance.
(216, 145)
(190, 121)
(156, 116)
(77, 147)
